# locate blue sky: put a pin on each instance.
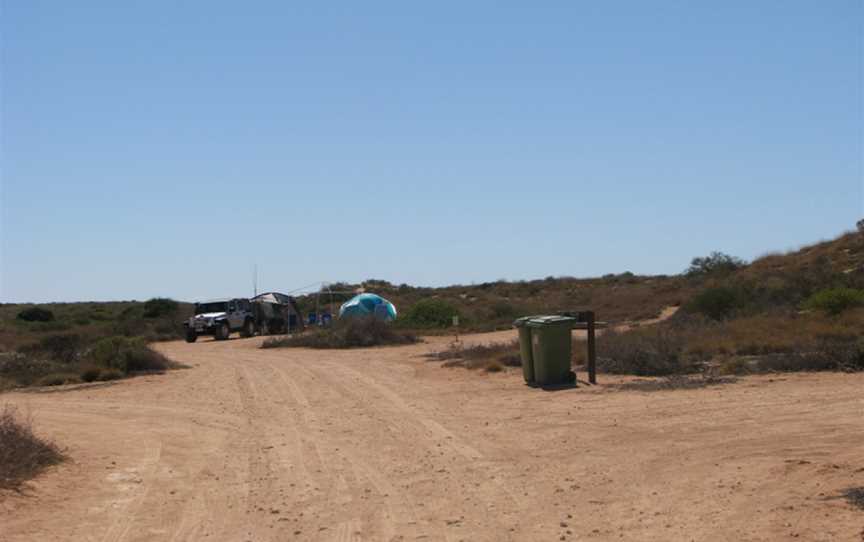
(163, 148)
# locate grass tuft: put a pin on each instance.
(855, 496)
(491, 358)
(59, 379)
(676, 382)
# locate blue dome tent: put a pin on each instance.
(368, 305)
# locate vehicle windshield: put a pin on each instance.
(203, 308)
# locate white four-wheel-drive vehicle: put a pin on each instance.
(220, 318)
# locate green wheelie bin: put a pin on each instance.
(551, 349)
(525, 351)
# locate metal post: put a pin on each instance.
(592, 348)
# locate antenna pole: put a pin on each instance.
(255, 280)
(318, 302)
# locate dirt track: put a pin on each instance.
(381, 444)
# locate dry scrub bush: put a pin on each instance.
(784, 341)
(649, 351)
(127, 355)
(63, 348)
(775, 342)
(59, 379)
(347, 333)
(24, 369)
(108, 359)
(492, 357)
(780, 341)
(22, 454)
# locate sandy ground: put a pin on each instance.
(382, 444)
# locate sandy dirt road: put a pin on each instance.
(381, 444)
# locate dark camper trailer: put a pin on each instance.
(276, 313)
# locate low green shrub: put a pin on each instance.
(835, 300)
(717, 303)
(431, 313)
(90, 374)
(168, 331)
(142, 358)
(159, 307)
(110, 352)
(110, 374)
(127, 355)
(62, 348)
(36, 314)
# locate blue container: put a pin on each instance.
(368, 305)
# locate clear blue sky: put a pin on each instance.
(161, 148)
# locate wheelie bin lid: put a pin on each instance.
(522, 322)
(552, 320)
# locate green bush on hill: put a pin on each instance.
(717, 303)
(499, 310)
(431, 313)
(835, 300)
(717, 263)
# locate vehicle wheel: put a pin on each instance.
(191, 336)
(222, 332)
(248, 329)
